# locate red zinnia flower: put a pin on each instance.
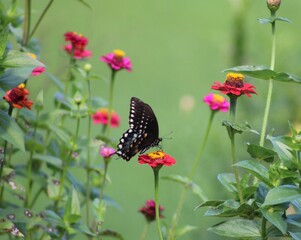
(149, 210)
(117, 61)
(77, 45)
(234, 85)
(155, 159)
(102, 117)
(16, 97)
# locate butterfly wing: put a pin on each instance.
(143, 132)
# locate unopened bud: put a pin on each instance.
(273, 5)
(87, 67)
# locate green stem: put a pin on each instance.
(66, 165)
(190, 176)
(264, 229)
(40, 19)
(29, 165)
(101, 193)
(156, 176)
(26, 23)
(88, 190)
(270, 88)
(233, 102)
(3, 161)
(111, 94)
(36, 196)
(144, 232)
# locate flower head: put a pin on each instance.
(155, 159)
(102, 117)
(217, 102)
(148, 210)
(106, 152)
(77, 45)
(116, 60)
(273, 5)
(16, 97)
(234, 85)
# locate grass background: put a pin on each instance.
(178, 48)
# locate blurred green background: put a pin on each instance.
(178, 49)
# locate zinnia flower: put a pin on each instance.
(149, 210)
(116, 60)
(234, 85)
(217, 102)
(102, 116)
(155, 159)
(106, 152)
(77, 45)
(16, 97)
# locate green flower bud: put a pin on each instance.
(273, 5)
(87, 67)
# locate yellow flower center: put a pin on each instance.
(218, 98)
(119, 53)
(32, 55)
(156, 155)
(234, 77)
(22, 85)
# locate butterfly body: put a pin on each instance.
(143, 132)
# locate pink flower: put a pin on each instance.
(149, 210)
(77, 45)
(102, 116)
(106, 152)
(117, 61)
(78, 53)
(155, 159)
(37, 71)
(217, 102)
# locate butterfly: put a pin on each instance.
(143, 132)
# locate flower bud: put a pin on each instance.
(87, 67)
(273, 5)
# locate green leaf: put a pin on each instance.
(12, 77)
(228, 181)
(287, 77)
(3, 40)
(183, 230)
(260, 72)
(237, 228)
(8, 226)
(188, 183)
(265, 20)
(53, 188)
(256, 169)
(111, 233)
(282, 194)
(72, 210)
(280, 145)
(276, 218)
(273, 19)
(238, 128)
(62, 135)
(54, 161)
(53, 218)
(261, 153)
(283, 19)
(17, 59)
(10, 131)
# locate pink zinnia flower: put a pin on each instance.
(216, 102)
(234, 85)
(78, 53)
(102, 117)
(155, 159)
(77, 45)
(117, 61)
(106, 152)
(37, 71)
(149, 210)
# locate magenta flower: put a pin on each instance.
(216, 102)
(102, 117)
(77, 45)
(106, 152)
(148, 210)
(116, 61)
(37, 71)
(78, 53)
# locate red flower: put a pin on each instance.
(149, 210)
(37, 71)
(117, 61)
(234, 85)
(155, 159)
(16, 97)
(77, 45)
(102, 117)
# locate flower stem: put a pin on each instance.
(264, 229)
(144, 232)
(66, 165)
(88, 190)
(29, 165)
(190, 176)
(233, 102)
(111, 93)
(156, 176)
(40, 19)
(101, 193)
(26, 23)
(270, 88)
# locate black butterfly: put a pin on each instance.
(143, 132)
